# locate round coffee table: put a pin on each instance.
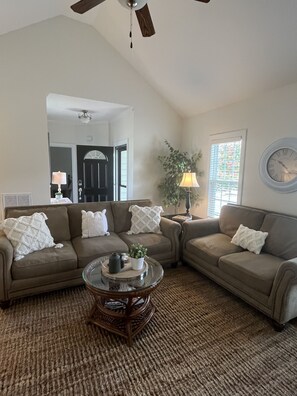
(123, 307)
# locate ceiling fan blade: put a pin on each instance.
(145, 21)
(83, 6)
(204, 1)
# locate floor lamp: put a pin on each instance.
(59, 178)
(189, 180)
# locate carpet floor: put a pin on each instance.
(201, 341)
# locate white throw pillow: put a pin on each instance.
(249, 239)
(27, 234)
(145, 219)
(94, 224)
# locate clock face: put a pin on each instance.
(282, 165)
(278, 165)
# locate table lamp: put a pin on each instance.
(59, 178)
(189, 180)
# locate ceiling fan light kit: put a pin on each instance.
(134, 4)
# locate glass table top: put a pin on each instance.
(93, 277)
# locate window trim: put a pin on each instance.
(119, 149)
(225, 137)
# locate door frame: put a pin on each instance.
(74, 167)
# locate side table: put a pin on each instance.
(181, 217)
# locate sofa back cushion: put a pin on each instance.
(75, 216)
(121, 214)
(57, 218)
(282, 235)
(233, 215)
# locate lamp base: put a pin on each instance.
(58, 195)
(189, 216)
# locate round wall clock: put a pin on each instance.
(278, 165)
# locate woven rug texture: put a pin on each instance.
(201, 341)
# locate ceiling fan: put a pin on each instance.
(139, 6)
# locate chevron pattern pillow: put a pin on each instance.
(249, 239)
(27, 234)
(145, 219)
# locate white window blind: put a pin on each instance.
(225, 172)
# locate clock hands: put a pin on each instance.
(286, 168)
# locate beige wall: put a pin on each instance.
(66, 57)
(267, 118)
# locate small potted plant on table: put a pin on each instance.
(137, 253)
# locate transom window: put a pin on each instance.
(96, 155)
(226, 170)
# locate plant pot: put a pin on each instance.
(137, 264)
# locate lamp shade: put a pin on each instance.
(189, 180)
(59, 178)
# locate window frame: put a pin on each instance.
(119, 149)
(227, 137)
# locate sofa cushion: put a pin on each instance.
(211, 247)
(249, 239)
(232, 216)
(282, 235)
(156, 244)
(46, 262)
(88, 249)
(256, 271)
(75, 217)
(145, 219)
(121, 214)
(57, 219)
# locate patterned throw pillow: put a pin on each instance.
(94, 224)
(249, 239)
(145, 219)
(27, 234)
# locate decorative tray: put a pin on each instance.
(126, 273)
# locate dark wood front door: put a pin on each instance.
(95, 173)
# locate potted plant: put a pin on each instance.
(137, 253)
(174, 164)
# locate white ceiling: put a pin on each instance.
(203, 56)
(67, 108)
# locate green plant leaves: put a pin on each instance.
(174, 165)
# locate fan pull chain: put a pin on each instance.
(131, 26)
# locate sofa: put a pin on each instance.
(50, 268)
(267, 281)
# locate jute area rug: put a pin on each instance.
(201, 341)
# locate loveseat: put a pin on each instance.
(267, 281)
(50, 268)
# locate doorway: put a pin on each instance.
(95, 173)
(63, 158)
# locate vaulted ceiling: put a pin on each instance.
(203, 56)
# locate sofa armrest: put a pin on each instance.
(172, 229)
(199, 228)
(283, 296)
(6, 259)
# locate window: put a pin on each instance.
(121, 172)
(226, 170)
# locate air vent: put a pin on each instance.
(17, 199)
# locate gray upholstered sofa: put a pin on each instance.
(267, 281)
(51, 269)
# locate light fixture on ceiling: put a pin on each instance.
(134, 4)
(85, 116)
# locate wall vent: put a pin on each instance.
(17, 199)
